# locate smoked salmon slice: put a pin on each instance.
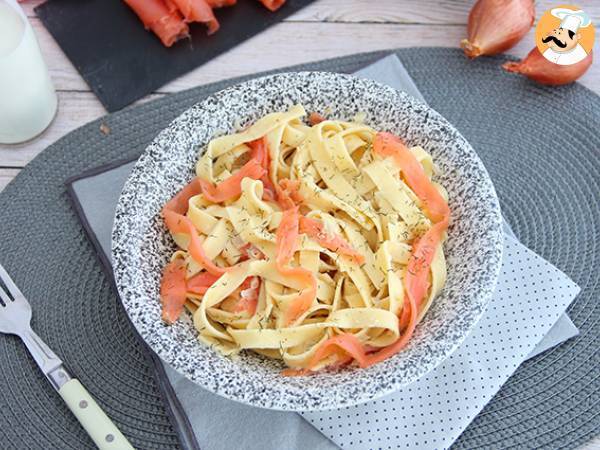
(272, 5)
(164, 21)
(260, 153)
(232, 186)
(286, 237)
(200, 283)
(173, 290)
(315, 229)
(172, 7)
(173, 214)
(286, 240)
(179, 203)
(198, 11)
(346, 342)
(388, 145)
(392, 349)
(168, 19)
(288, 193)
(315, 118)
(221, 3)
(248, 295)
(417, 270)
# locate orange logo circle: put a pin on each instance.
(565, 35)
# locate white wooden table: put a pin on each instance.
(326, 29)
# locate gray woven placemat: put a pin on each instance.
(540, 145)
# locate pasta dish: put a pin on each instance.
(318, 243)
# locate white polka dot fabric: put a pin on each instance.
(432, 412)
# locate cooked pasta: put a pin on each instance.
(316, 243)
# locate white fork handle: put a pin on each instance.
(103, 432)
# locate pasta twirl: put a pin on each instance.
(316, 244)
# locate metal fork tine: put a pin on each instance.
(4, 296)
(9, 283)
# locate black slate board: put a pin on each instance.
(122, 62)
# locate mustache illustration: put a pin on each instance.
(557, 41)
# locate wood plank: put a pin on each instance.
(390, 11)
(411, 11)
(6, 175)
(275, 49)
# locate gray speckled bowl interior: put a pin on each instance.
(142, 246)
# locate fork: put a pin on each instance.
(15, 318)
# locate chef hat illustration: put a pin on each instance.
(571, 20)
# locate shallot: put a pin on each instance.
(496, 25)
(538, 68)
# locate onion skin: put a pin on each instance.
(497, 25)
(537, 68)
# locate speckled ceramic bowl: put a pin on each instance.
(142, 246)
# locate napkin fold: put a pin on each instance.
(524, 318)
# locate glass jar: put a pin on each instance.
(28, 101)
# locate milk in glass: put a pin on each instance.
(27, 98)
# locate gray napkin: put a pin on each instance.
(210, 415)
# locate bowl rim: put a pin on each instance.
(485, 292)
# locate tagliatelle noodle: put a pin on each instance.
(321, 251)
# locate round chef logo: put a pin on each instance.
(565, 35)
